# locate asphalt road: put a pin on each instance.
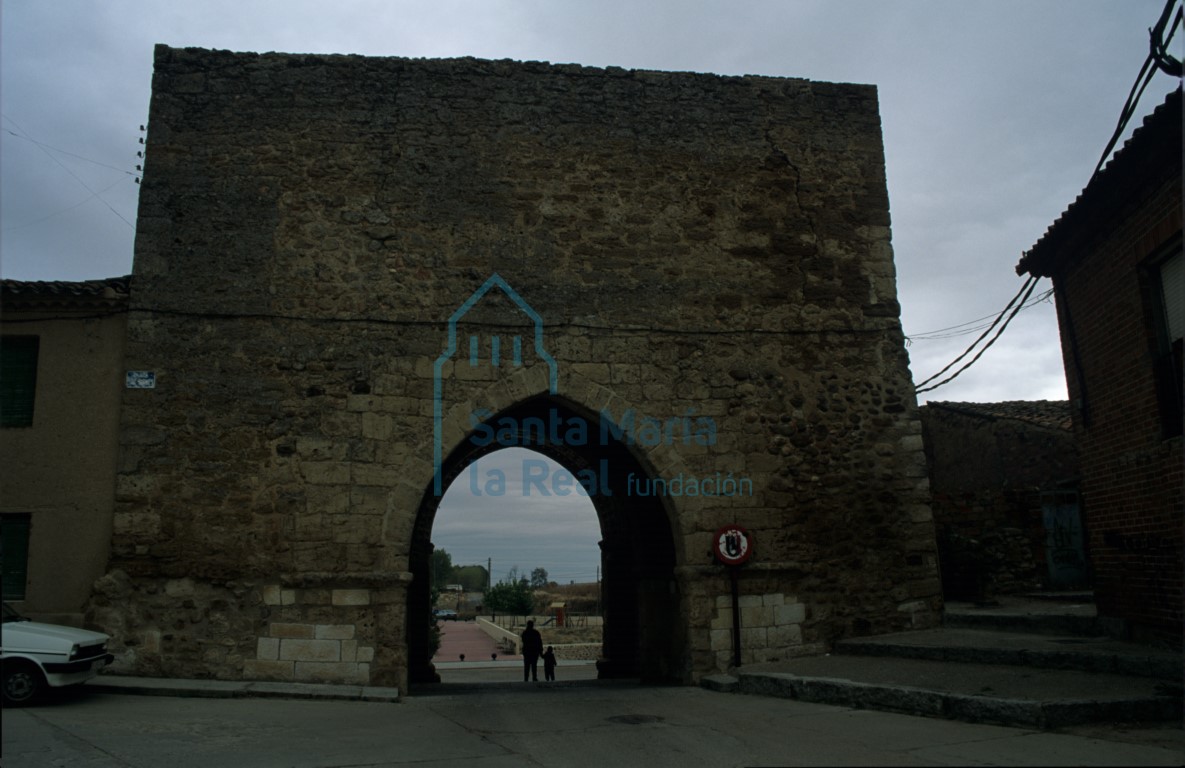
(527, 724)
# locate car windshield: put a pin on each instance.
(10, 614)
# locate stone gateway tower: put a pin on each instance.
(354, 276)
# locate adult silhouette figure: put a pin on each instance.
(532, 649)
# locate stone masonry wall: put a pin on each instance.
(989, 464)
(696, 246)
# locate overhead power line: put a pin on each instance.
(972, 326)
(60, 211)
(61, 151)
(1158, 59)
(1026, 290)
(1002, 320)
(24, 135)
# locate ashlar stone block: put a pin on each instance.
(254, 669)
(341, 672)
(790, 634)
(334, 631)
(351, 597)
(280, 629)
(267, 649)
(310, 650)
(790, 614)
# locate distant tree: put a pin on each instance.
(511, 595)
(538, 578)
(473, 578)
(441, 568)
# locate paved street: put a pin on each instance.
(466, 638)
(527, 724)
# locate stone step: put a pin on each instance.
(1087, 654)
(979, 693)
(1081, 597)
(1047, 624)
(1026, 616)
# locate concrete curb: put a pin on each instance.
(956, 706)
(720, 683)
(230, 689)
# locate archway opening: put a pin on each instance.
(516, 537)
(643, 629)
(517, 509)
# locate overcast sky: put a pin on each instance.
(994, 115)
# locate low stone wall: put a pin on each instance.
(506, 640)
(511, 643)
(577, 652)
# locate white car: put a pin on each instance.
(34, 656)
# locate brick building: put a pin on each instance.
(1004, 480)
(1115, 260)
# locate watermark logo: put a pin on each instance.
(475, 347)
(554, 428)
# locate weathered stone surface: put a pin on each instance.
(335, 632)
(280, 671)
(310, 650)
(695, 247)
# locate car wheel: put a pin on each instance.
(23, 683)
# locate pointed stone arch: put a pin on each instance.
(645, 629)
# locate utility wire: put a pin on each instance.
(1158, 59)
(1160, 46)
(67, 170)
(971, 326)
(67, 209)
(43, 145)
(1031, 284)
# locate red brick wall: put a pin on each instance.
(1132, 475)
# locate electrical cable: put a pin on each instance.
(978, 324)
(59, 212)
(1157, 59)
(1032, 283)
(72, 174)
(399, 323)
(62, 151)
(1159, 46)
(1029, 284)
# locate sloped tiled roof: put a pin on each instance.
(1151, 155)
(1052, 414)
(111, 291)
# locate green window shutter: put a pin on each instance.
(14, 554)
(18, 380)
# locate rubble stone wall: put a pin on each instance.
(987, 477)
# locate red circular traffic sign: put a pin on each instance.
(732, 545)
